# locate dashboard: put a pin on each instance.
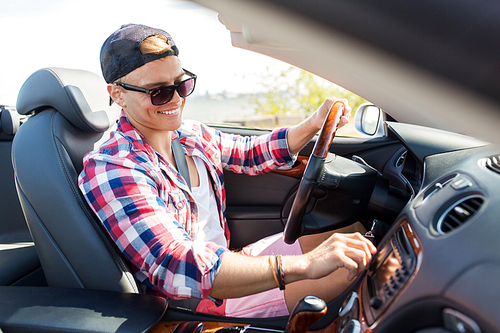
(438, 266)
(393, 268)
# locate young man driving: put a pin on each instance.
(176, 236)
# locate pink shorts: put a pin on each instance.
(269, 303)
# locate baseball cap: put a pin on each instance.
(120, 52)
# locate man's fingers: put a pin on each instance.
(351, 251)
(360, 257)
(356, 252)
(366, 243)
(352, 267)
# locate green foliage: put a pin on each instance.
(295, 91)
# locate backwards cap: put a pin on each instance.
(120, 53)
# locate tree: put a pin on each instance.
(295, 91)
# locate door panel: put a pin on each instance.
(257, 206)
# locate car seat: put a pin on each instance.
(70, 115)
(18, 258)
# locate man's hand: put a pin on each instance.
(323, 110)
(299, 135)
(351, 251)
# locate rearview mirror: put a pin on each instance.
(368, 120)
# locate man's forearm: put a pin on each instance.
(299, 135)
(240, 275)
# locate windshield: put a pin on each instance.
(283, 96)
(235, 87)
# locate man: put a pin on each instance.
(176, 236)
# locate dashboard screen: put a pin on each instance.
(385, 271)
(391, 269)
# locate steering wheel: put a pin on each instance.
(312, 173)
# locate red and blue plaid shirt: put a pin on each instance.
(149, 211)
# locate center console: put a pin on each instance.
(391, 270)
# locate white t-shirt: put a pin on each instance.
(209, 227)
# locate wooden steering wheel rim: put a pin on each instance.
(328, 130)
(293, 227)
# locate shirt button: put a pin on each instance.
(203, 266)
(216, 155)
(181, 204)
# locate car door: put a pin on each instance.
(258, 206)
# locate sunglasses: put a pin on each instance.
(163, 95)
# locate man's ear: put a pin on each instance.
(116, 94)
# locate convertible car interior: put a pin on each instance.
(427, 196)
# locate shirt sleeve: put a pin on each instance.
(125, 197)
(254, 155)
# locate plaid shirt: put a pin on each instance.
(149, 211)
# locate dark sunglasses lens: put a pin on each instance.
(162, 95)
(186, 87)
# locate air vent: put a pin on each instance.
(493, 163)
(401, 160)
(459, 213)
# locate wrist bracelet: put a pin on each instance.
(281, 272)
(273, 269)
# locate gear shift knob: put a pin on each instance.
(307, 311)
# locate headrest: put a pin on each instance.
(80, 96)
(9, 121)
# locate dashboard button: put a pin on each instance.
(376, 303)
(461, 182)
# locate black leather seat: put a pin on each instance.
(71, 115)
(18, 259)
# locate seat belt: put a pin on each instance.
(180, 160)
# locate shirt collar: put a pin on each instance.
(128, 129)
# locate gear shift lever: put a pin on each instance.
(307, 311)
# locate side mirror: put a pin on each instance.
(369, 120)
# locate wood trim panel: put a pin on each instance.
(208, 326)
(297, 170)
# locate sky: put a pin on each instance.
(36, 34)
